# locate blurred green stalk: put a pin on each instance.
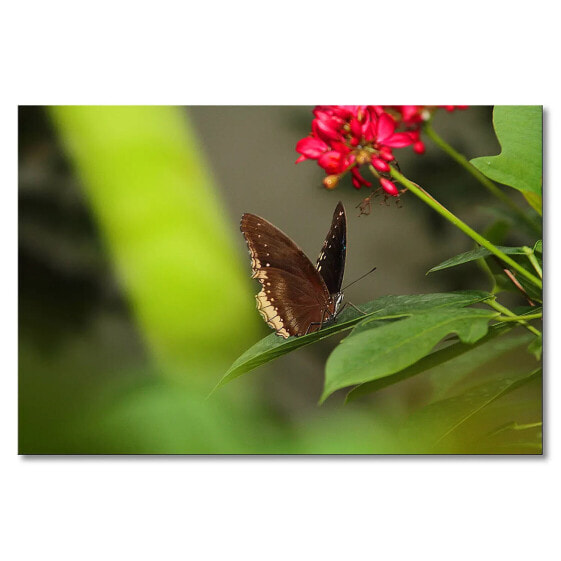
(164, 227)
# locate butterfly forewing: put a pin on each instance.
(331, 260)
(294, 299)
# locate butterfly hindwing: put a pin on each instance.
(294, 299)
(331, 260)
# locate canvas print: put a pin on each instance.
(337, 279)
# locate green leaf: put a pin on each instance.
(519, 132)
(435, 422)
(375, 353)
(435, 359)
(473, 255)
(388, 307)
(538, 247)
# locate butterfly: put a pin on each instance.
(296, 298)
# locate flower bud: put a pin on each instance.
(330, 182)
(386, 153)
(379, 164)
(389, 187)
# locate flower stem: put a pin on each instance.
(443, 211)
(485, 181)
(513, 317)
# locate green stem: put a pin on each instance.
(485, 181)
(504, 310)
(518, 318)
(532, 258)
(443, 211)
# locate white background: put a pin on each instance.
(277, 508)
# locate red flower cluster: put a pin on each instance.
(344, 137)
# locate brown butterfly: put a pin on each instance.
(296, 298)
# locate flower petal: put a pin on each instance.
(356, 128)
(326, 129)
(386, 127)
(356, 175)
(311, 147)
(399, 140)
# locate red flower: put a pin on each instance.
(345, 137)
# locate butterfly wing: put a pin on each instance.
(331, 260)
(293, 299)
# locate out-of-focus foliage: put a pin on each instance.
(163, 226)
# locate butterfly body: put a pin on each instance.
(296, 298)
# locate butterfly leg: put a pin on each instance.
(357, 309)
(320, 323)
(352, 306)
(310, 326)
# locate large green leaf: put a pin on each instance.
(375, 353)
(432, 424)
(452, 357)
(433, 360)
(473, 255)
(386, 307)
(519, 165)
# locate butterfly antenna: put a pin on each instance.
(359, 278)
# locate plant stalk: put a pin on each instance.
(513, 317)
(443, 211)
(532, 258)
(485, 181)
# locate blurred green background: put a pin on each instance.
(134, 281)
